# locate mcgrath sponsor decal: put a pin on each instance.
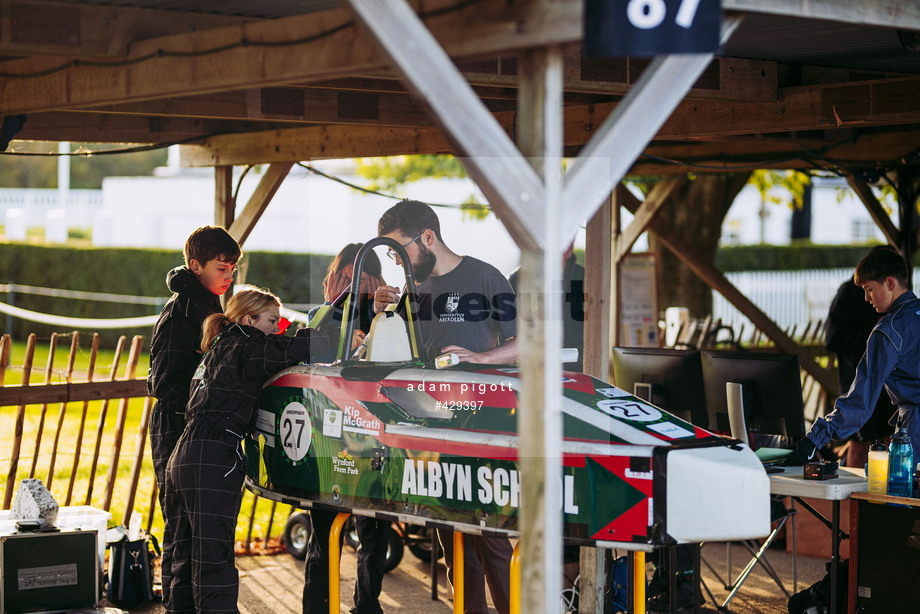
(356, 423)
(295, 431)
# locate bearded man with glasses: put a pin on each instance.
(465, 307)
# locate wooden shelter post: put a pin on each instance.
(224, 206)
(908, 217)
(540, 337)
(526, 194)
(617, 196)
(598, 277)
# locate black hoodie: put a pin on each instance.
(176, 341)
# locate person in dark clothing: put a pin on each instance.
(573, 311)
(204, 476)
(372, 533)
(468, 308)
(849, 323)
(338, 279)
(211, 255)
(891, 361)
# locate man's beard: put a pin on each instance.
(425, 265)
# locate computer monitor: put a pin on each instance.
(771, 393)
(670, 379)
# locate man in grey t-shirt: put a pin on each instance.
(468, 308)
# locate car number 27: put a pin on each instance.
(295, 430)
(629, 410)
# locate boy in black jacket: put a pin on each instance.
(211, 255)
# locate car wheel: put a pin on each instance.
(297, 535)
(420, 543)
(394, 550)
(350, 533)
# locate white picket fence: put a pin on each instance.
(789, 298)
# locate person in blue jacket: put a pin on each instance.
(891, 359)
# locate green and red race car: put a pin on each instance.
(402, 440)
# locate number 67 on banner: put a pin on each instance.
(651, 27)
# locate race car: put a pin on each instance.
(396, 438)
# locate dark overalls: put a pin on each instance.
(204, 477)
(174, 354)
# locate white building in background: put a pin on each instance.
(838, 217)
(314, 214)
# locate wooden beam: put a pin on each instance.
(72, 392)
(596, 363)
(902, 14)
(852, 150)
(106, 128)
(259, 200)
(819, 107)
(617, 199)
(224, 205)
(816, 107)
(625, 133)
(598, 258)
(297, 105)
(540, 314)
(716, 280)
(280, 51)
(871, 149)
(509, 184)
(655, 200)
(724, 79)
(313, 143)
(824, 107)
(76, 30)
(875, 209)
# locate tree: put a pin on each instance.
(695, 212)
(86, 171)
(392, 174)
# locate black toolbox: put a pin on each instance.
(48, 571)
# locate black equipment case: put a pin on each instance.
(48, 571)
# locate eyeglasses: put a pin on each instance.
(392, 253)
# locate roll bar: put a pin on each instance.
(416, 342)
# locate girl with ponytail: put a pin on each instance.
(205, 473)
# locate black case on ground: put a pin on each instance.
(48, 571)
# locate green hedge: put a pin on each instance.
(794, 257)
(296, 278)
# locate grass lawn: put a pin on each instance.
(68, 432)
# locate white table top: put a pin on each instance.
(792, 483)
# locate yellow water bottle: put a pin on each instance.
(878, 468)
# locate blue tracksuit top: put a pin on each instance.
(892, 360)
